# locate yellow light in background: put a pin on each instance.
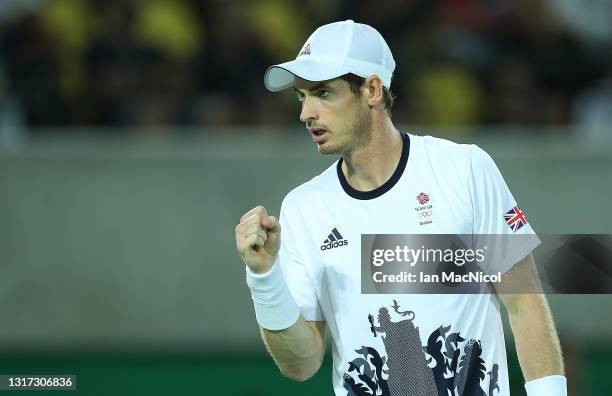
(283, 27)
(170, 26)
(448, 95)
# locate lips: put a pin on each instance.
(318, 134)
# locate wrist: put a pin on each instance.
(552, 385)
(260, 270)
(275, 308)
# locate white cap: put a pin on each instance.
(334, 50)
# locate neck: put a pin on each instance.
(370, 166)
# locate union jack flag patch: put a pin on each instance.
(515, 219)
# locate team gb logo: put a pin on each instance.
(422, 198)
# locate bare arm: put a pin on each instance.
(298, 351)
(532, 325)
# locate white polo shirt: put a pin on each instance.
(404, 344)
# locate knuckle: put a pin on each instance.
(245, 215)
(249, 213)
(253, 228)
(253, 219)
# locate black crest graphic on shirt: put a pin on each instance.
(446, 366)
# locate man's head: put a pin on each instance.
(339, 113)
(342, 75)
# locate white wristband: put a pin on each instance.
(553, 385)
(274, 305)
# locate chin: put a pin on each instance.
(327, 148)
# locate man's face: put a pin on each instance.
(338, 120)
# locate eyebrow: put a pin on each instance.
(314, 88)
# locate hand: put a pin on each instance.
(258, 239)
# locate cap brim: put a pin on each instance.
(282, 76)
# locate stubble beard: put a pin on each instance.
(358, 135)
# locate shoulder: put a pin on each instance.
(312, 190)
(452, 155)
(445, 157)
(443, 148)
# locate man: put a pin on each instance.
(428, 344)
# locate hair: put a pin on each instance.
(356, 82)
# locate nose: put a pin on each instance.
(308, 113)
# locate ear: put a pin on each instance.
(374, 90)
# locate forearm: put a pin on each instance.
(535, 337)
(296, 345)
(298, 350)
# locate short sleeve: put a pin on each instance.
(496, 214)
(294, 268)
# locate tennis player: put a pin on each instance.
(304, 269)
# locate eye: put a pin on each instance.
(323, 93)
(300, 96)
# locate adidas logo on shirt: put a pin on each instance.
(334, 240)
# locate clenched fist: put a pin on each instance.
(258, 239)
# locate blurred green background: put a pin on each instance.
(134, 134)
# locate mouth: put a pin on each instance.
(318, 134)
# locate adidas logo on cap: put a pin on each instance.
(334, 240)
